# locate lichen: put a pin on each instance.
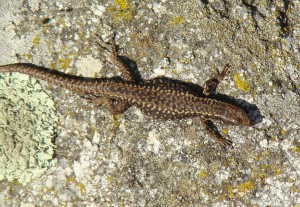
(64, 63)
(36, 40)
(27, 123)
(122, 10)
(203, 174)
(241, 84)
(177, 20)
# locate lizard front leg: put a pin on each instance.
(210, 86)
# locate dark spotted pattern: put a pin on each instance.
(157, 98)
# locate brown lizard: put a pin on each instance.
(158, 97)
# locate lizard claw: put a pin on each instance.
(210, 86)
(109, 46)
(225, 143)
(221, 75)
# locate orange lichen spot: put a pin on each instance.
(241, 84)
(177, 20)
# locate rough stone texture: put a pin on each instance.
(132, 160)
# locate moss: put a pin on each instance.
(27, 123)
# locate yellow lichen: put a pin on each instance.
(117, 121)
(16, 183)
(53, 65)
(241, 84)
(230, 192)
(225, 131)
(185, 60)
(109, 178)
(291, 180)
(36, 40)
(71, 179)
(295, 150)
(123, 9)
(174, 72)
(245, 187)
(295, 189)
(275, 170)
(81, 187)
(282, 132)
(177, 20)
(123, 4)
(64, 63)
(29, 56)
(202, 174)
(48, 190)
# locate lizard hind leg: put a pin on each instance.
(114, 106)
(212, 130)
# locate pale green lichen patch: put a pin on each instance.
(27, 123)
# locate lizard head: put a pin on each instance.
(238, 116)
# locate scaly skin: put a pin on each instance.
(154, 97)
(157, 97)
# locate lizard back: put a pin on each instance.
(156, 98)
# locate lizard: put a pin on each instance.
(158, 97)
